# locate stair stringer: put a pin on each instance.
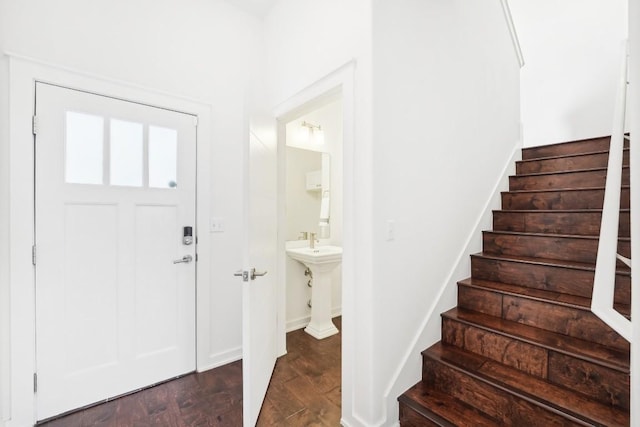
(429, 332)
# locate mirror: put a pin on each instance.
(308, 189)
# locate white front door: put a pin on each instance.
(259, 311)
(115, 187)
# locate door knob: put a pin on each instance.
(186, 259)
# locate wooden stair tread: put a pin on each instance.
(620, 269)
(562, 172)
(577, 146)
(559, 298)
(571, 178)
(441, 408)
(582, 196)
(556, 399)
(554, 190)
(571, 161)
(583, 222)
(554, 211)
(551, 235)
(564, 156)
(574, 347)
(572, 247)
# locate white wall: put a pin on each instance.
(174, 47)
(446, 124)
(306, 40)
(4, 241)
(572, 50)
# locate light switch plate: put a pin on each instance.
(391, 230)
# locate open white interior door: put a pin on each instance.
(259, 311)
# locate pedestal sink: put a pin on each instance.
(321, 261)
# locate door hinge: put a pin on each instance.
(34, 125)
(196, 257)
(33, 254)
(35, 382)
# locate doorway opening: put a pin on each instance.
(313, 217)
(310, 183)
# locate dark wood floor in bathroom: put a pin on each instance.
(304, 390)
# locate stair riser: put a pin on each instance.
(549, 247)
(576, 323)
(552, 317)
(586, 161)
(604, 385)
(592, 380)
(547, 200)
(507, 408)
(582, 179)
(424, 406)
(579, 223)
(569, 148)
(520, 355)
(410, 418)
(548, 278)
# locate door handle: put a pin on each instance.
(186, 259)
(249, 274)
(255, 273)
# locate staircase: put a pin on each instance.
(522, 347)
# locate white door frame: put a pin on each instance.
(23, 73)
(340, 81)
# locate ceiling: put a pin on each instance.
(255, 7)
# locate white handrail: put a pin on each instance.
(605, 274)
(512, 31)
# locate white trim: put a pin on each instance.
(23, 72)
(215, 360)
(604, 278)
(634, 125)
(445, 298)
(512, 31)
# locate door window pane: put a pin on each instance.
(163, 144)
(83, 148)
(126, 153)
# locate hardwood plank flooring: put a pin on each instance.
(305, 390)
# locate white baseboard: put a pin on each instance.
(220, 359)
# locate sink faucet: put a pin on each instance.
(312, 240)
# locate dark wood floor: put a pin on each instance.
(304, 391)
